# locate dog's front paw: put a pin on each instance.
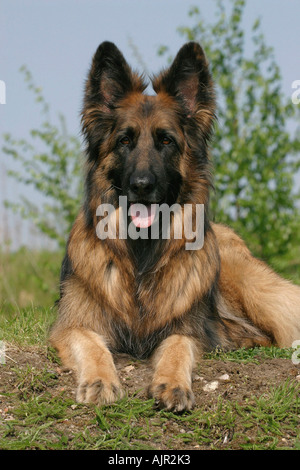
(173, 397)
(98, 391)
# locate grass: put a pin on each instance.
(253, 355)
(28, 278)
(42, 421)
(38, 411)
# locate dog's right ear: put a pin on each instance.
(110, 78)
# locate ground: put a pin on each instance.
(255, 407)
(244, 400)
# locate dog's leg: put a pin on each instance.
(268, 301)
(85, 352)
(253, 290)
(172, 380)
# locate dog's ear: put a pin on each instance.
(189, 81)
(110, 78)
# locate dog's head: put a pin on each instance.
(152, 149)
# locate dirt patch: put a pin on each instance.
(214, 380)
(235, 380)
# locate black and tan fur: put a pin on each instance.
(154, 298)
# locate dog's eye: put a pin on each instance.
(166, 140)
(125, 140)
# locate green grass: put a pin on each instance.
(26, 326)
(253, 355)
(28, 278)
(41, 421)
(28, 292)
(273, 416)
(269, 418)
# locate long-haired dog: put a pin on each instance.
(151, 296)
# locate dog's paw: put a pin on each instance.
(173, 397)
(99, 392)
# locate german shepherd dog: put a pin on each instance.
(152, 297)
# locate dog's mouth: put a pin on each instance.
(143, 215)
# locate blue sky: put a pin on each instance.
(56, 39)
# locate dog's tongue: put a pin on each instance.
(142, 216)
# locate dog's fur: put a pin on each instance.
(154, 297)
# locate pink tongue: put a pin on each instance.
(142, 216)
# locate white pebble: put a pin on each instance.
(128, 369)
(210, 387)
(224, 377)
(198, 377)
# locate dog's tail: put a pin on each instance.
(254, 292)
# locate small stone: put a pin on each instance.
(212, 386)
(198, 377)
(224, 377)
(128, 368)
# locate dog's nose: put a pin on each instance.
(142, 184)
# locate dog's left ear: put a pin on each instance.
(189, 81)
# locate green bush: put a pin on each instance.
(51, 163)
(255, 156)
